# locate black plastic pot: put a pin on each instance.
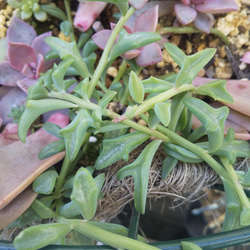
(215, 241)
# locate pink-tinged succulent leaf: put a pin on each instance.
(9, 134)
(27, 71)
(246, 57)
(101, 38)
(42, 65)
(187, 2)
(8, 75)
(131, 54)
(238, 89)
(39, 45)
(20, 32)
(128, 29)
(87, 13)
(147, 21)
(20, 165)
(185, 14)
(17, 207)
(204, 21)
(137, 4)
(150, 54)
(215, 6)
(196, 1)
(20, 54)
(13, 98)
(240, 133)
(25, 83)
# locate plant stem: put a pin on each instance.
(112, 239)
(104, 59)
(145, 106)
(234, 179)
(177, 139)
(121, 71)
(187, 29)
(92, 106)
(68, 11)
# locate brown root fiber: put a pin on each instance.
(186, 182)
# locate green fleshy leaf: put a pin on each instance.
(136, 89)
(139, 169)
(155, 85)
(231, 148)
(45, 183)
(119, 148)
(245, 217)
(69, 210)
(190, 65)
(52, 149)
(14, 4)
(85, 193)
(128, 42)
(81, 89)
(89, 48)
(34, 108)
(163, 112)
(107, 126)
(180, 153)
(246, 179)
(68, 50)
(52, 128)
(54, 11)
(38, 236)
(59, 72)
(41, 15)
(153, 119)
(212, 119)
(65, 27)
(75, 131)
(216, 89)
(42, 210)
(233, 207)
(189, 246)
(168, 165)
(37, 91)
(176, 53)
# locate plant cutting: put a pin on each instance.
(69, 194)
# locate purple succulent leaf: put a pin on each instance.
(246, 57)
(13, 98)
(20, 54)
(1, 121)
(25, 83)
(137, 4)
(127, 28)
(147, 21)
(215, 6)
(20, 32)
(39, 45)
(27, 71)
(150, 54)
(87, 13)
(187, 2)
(101, 38)
(42, 65)
(8, 75)
(185, 14)
(204, 21)
(131, 54)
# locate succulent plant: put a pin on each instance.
(200, 12)
(145, 22)
(26, 8)
(25, 54)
